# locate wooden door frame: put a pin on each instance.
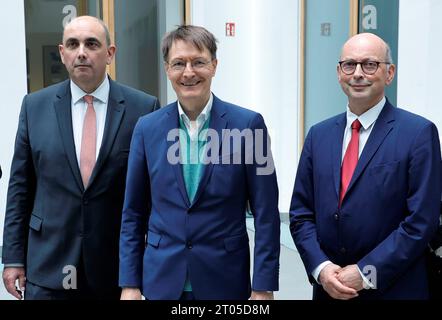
(109, 20)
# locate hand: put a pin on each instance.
(350, 277)
(10, 277)
(130, 294)
(262, 295)
(331, 284)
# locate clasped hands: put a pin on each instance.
(341, 283)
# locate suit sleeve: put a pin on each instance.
(21, 194)
(263, 197)
(403, 246)
(135, 214)
(302, 212)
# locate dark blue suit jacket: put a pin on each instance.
(51, 220)
(391, 208)
(206, 238)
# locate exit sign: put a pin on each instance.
(230, 29)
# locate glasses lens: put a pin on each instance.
(348, 67)
(369, 67)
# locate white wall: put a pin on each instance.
(420, 66)
(12, 87)
(258, 69)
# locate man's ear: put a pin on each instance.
(111, 53)
(61, 50)
(390, 74)
(214, 64)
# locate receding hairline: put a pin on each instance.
(92, 18)
(388, 56)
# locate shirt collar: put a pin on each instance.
(202, 117)
(101, 93)
(368, 117)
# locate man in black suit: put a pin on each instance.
(68, 172)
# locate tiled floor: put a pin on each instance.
(293, 283)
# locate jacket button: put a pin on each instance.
(343, 250)
(336, 216)
(189, 245)
(85, 202)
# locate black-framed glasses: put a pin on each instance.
(368, 66)
(196, 64)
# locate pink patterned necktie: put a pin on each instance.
(88, 141)
(350, 159)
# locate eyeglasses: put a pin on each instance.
(368, 66)
(180, 65)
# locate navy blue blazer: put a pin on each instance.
(206, 239)
(51, 221)
(391, 208)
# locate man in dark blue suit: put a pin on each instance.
(367, 191)
(193, 167)
(68, 173)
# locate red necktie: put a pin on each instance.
(88, 141)
(350, 159)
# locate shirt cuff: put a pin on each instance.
(14, 265)
(318, 270)
(366, 283)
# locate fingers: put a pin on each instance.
(22, 282)
(339, 291)
(131, 294)
(9, 282)
(10, 277)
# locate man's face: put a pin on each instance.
(190, 71)
(85, 53)
(365, 90)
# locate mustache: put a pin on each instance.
(363, 82)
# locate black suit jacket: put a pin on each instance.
(51, 221)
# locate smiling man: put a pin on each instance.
(367, 191)
(68, 175)
(183, 233)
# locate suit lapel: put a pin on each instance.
(218, 123)
(338, 137)
(172, 123)
(114, 115)
(384, 124)
(62, 106)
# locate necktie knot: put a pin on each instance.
(89, 99)
(356, 125)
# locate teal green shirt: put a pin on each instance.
(192, 152)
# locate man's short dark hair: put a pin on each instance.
(198, 36)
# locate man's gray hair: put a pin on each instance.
(388, 56)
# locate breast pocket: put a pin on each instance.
(386, 178)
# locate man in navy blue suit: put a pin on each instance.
(367, 191)
(68, 173)
(193, 167)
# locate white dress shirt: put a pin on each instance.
(194, 127)
(367, 120)
(79, 106)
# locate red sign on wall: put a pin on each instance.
(230, 29)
